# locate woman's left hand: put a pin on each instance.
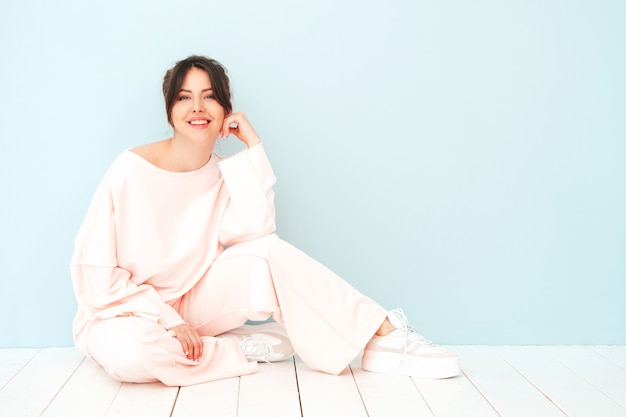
(190, 340)
(237, 124)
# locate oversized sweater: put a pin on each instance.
(150, 235)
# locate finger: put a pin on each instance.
(197, 344)
(191, 342)
(186, 342)
(225, 129)
(190, 350)
(231, 119)
(183, 343)
(234, 131)
(199, 348)
(232, 123)
(190, 354)
(196, 351)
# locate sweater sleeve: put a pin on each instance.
(250, 212)
(102, 288)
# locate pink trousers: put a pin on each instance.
(327, 320)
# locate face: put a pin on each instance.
(196, 115)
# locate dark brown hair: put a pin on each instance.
(173, 81)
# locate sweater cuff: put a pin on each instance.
(169, 317)
(249, 163)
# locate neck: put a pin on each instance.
(186, 155)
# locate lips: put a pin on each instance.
(199, 122)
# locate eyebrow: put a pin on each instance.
(189, 91)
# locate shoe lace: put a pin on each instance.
(408, 332)
(256, 350)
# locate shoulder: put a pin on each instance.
(129, 164)
(153, 152)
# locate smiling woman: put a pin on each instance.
(218, 82)
(178, 251)
(199, 108)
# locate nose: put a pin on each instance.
(197, 105)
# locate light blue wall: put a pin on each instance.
(463, 160)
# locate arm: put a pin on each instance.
(249, 179)
(106, 292)
(102, 288)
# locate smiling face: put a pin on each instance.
(196, 115)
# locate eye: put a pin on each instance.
(209, 97)
(181, 98)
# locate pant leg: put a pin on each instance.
(235, 290)
(327, 320)
(134, 349)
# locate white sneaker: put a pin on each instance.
(262, 343)
(406, 352)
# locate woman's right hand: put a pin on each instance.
(190, 340)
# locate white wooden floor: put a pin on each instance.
(577, 381)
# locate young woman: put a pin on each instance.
(178, 251)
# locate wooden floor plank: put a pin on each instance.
(572, 394)
(143, 400)
(211, 399)
(454, 397)
(505, 388)
(324, 395)
(593, 368)
(29, 392)
(507, 381)
(617, 354)
(271, 391)
(12, 361)
(389, 395)
(89, 392)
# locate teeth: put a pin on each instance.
(199, 122)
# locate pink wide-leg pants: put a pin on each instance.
(327, 320)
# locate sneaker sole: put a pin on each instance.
(285, 349)
(394, 363)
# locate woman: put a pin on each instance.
(178, 251)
